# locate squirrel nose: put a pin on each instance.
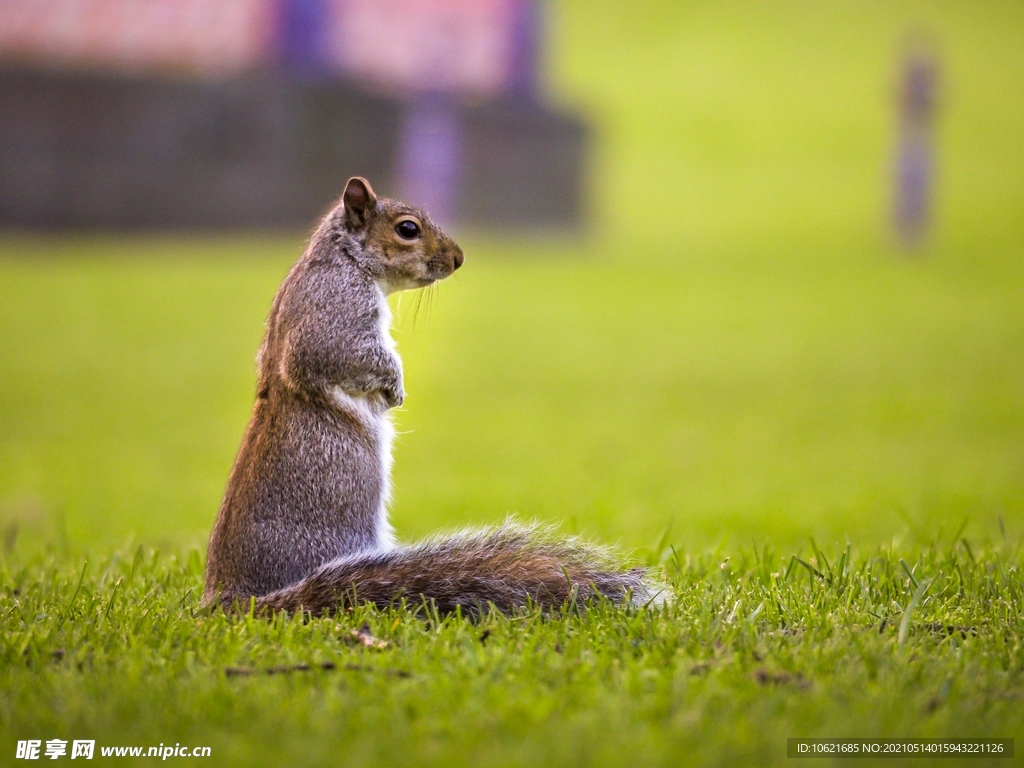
(459, 258)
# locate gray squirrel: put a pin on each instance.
(303, 524)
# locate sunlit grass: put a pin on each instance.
(753, 648)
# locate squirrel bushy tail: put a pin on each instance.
(504, 568)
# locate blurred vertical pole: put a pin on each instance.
(302, 30)
(915, 163)
(524, 64)
(430, 153)
(430, 156)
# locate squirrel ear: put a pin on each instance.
(359, 200)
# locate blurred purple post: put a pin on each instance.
(430, 156)
(302, 30)
(524, 65)
(915, 160)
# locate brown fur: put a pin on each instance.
(303, 521)
(505, 568)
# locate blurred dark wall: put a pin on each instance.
(114, 151)
(523, 167)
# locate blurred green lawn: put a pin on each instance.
(733, 347)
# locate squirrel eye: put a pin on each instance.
(407, 229)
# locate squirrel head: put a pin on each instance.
(398, 244)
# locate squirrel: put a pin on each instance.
(303, 525)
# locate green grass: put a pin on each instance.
(733, 360)
(756, 648)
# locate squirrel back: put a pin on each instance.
(303, 523)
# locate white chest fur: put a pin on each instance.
(372, 413)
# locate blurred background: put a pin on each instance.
(244, 113)
(735, 272)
